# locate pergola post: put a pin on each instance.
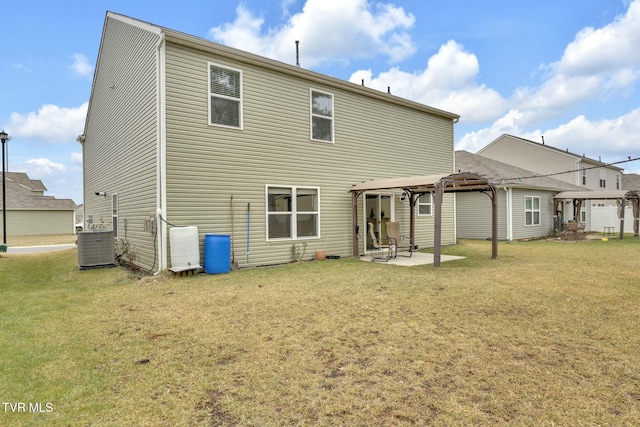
(437, 222)
(621, 209)
(636, 213)
(354, 219)
(412, 216)
(494, 222)
(577, 207)
(557, 225)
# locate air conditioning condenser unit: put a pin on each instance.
(96, 249)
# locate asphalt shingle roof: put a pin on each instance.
(24, 193)
(504, 174)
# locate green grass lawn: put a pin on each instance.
(545, 335)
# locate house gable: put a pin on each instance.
(122, 132)
(544, 159)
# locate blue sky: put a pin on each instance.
(568, 70)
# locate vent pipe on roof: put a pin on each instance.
(388, 89)
(542, 139)
(297, 53)
(362, 82)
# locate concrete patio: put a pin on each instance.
(418, 258)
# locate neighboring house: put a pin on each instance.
(630, 181)
(178, 127)
(30, 212)
(541, 158)
(80, 217)
(525, 204)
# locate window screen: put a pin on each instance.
(225, 90)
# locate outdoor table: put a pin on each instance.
(608, 231)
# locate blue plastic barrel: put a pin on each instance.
(217, 253)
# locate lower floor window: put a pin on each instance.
(532, 210)
(292, 212)
(424, 205)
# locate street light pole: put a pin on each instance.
(4, 137)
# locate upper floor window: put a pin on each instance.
(584, 176)
(424, 205)
(617, 181)
(321, 116)
(603, 179)
(225, 96)
(531, 210)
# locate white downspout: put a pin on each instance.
(509, 206)
(161, 172)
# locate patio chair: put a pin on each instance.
(401, 243)
(383, 249)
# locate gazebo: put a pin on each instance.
(437, 185)
(620, 196)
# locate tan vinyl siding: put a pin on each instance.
(594, 174)
(522, 231)
(532, 157)
(207, 164)
(38, 223)
(473, 215)
(120, 150)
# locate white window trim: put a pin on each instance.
(532, 210)
(333, 116)
(584, 176)
(115, 213)
(430, 204)
(294, 212)
(210, 94)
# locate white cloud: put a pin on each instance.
(61, 181)
(328, 31)
(448, 82)
(613, 139)
(21, 67)
(604, 50)
(81, 65)
(286, 5)
(76, 159)
(43, 167)
(598, 63)
(554, 97)
(50, 123)
(473, 141)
